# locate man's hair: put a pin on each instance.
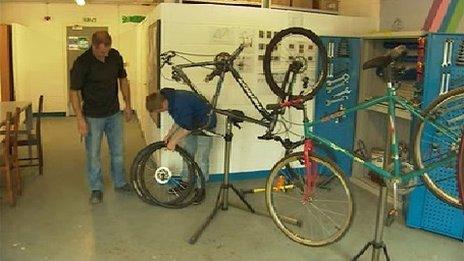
(154, 101)
(101, 37)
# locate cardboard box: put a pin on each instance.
(302, 3)
(329, 5)
(281, 2)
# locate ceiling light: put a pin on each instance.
(80, 2)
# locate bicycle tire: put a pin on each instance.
(322, 56)
(138, 180)
(460, 167)
(279, 220)
(432, 109)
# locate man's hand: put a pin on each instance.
(166, 138)
(171, 145)
(128, 114)
(82, 127)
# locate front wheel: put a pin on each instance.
(432, 145)
(320, 219)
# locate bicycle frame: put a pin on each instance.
(392, 100)
(178, 69)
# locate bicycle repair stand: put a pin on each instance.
(378, 243)
(222, 201)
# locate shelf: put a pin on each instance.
(400, 113)
(221, 2)
(395, 35)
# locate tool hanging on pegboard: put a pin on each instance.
(343, 49)
(460, 59)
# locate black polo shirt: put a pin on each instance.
(98, 82)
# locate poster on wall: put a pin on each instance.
(78, 43)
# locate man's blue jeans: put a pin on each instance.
(199, 147)
(112, 127)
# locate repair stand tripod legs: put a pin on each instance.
(222, 201)
(378, 243)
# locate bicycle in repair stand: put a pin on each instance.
(307, 195)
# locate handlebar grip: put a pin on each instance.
(210, 76)
(273, 106)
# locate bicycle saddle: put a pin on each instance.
(384, 60)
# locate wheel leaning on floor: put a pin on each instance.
(156, 176)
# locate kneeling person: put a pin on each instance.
(190, 114)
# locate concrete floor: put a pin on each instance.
(54, 221)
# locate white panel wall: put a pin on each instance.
(210, 29)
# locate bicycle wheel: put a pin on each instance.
(156, 176)
(290, 45)
(460, 179)
(432, 145)
(320, 219)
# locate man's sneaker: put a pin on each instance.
(179, 188)
(199, 196)
(96, 197)
(125, 188)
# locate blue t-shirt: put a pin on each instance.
(188, 110)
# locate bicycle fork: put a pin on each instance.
(310, 171)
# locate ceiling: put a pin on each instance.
(128, 2)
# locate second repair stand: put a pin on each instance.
(377, 243)
(222, 201)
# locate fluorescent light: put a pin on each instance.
(80, 2)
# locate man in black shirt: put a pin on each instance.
(94, 80)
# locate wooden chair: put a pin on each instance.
(10, 164)
(35, 139)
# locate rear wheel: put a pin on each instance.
(320, 219)
(433, 145)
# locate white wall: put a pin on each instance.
(365, 8)
(412, 14)
(40, 48)
(187, 28)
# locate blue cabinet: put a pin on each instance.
(340, 91)
(440, 76)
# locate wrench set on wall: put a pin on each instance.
(448, 69)
(338, 83)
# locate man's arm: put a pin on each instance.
(76, 103)
(125, 90)
(171, 131)
(177, 137)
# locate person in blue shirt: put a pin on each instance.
(191, 114)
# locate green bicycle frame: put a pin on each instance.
(392, 100)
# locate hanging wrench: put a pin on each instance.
(330, 102)
(344, 92)
(336, 86)
(345, 77)
(445, 54)
(448, 76)
(331, 69)
(442, 86)
(450, 52)
(330, 47)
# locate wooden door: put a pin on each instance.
(6, 64)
